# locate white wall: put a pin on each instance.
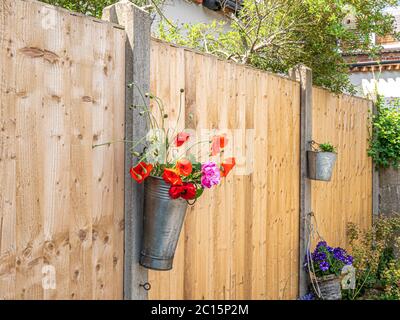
(387, 82)
(181, 11)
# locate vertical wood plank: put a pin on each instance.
(82, 195)
(7, 157)
(30, 193)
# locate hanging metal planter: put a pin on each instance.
(321, 161)
(163, 220)
(320, 165)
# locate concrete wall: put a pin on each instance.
(389, 191)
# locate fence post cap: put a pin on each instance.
(124, 3)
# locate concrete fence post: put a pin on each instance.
(389, 191)
(375, 182)
(137, 25)
(303, 74)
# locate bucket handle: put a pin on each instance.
(191, 203)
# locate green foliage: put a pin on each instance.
(327, 147)
(391, 281)
(384, 144)
(92, 7)
(377, 269)
(276, 35)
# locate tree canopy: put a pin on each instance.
(95, 7)
(275, 35)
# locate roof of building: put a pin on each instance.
(389, 56)
(389, 60)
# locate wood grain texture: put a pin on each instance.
(343, 121)
(61, 201)
(240, 240)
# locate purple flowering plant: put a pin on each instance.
(327, 260)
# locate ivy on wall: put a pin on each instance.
(384, 144)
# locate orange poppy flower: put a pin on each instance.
(172, 177)
(218, 143)
(181, 138)
(227, 165)
(184, 167)
(141, 171)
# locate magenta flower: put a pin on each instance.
(210, 174)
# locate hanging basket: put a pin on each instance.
(330, 287)
(163, 220)
(320, 165)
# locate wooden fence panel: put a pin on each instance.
(61, 202)
(240, 240)
(343, 121)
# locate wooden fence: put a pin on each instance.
(343, 120)
(241, 240)
(61, 202)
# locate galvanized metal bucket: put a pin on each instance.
(163, 220)
(320, 165)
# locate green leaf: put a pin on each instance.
(199, 192)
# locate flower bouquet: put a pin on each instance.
(325, 265)
(173, 179)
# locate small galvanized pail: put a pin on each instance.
(330, 287)
(163, 220)
(320, 165)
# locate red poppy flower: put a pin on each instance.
(187, 191)
(175, 191)
(227, 165)
(172, 177)
(184, 167)
(141, 171)
(218, 143)
(181, 138)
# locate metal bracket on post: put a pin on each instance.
(303, 74)
(137, 25)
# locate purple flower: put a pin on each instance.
(308, 296)
(319, 256)
(210, 174)
(339, 254)
(324, 266)
(349, 260)
(321, 244)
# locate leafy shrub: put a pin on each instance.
(377, 269)
(93, 7)
(391, 281)
(384, 144)
(327, 147)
